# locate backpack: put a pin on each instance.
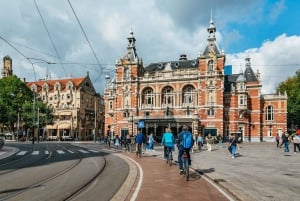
(187, 141)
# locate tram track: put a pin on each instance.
(65, 175)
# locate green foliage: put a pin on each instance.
(16, 98)
(292, 87)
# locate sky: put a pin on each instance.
(70, 38)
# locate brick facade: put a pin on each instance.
(196, 92)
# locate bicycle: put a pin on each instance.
(185, 160)
(169, 155)
(139, 150)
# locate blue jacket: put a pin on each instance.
(139, 138)
(168, 140)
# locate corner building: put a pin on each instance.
(201, 93)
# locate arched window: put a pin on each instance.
(188, 94)
(167, 95)
(270, 113)
(147, 97)
(210, 65)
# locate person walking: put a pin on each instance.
(200, 142)
(220, 141)
(296, 141)
(209, 141)
(151, 142)
(167, 141)
(282, 140)
(233, 145)
(139, 139)
(286, 142)
(277, 139)
(117, 141)
(184, 144)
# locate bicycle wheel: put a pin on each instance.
(170, 158)
(187, 169)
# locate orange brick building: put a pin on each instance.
(197, 92)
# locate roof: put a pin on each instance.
(172, 65)
(63, 83)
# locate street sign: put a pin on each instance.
(141, 124)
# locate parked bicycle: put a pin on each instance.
(169, 155)
(186, 166)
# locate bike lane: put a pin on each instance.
(161, 182)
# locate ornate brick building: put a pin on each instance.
(197, 92)
(78, 109)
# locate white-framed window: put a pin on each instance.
(210, 112)
(188, 94)
(269, 113)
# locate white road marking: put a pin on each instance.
(72, 152)
(46, 152)
(21, 153)
(35, 153)
(94, 151)
(83, 151)
(60, 151)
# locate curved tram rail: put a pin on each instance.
(17, 193)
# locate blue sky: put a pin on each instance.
(265, 30)
(276, 18)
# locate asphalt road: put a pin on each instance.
(54, 171)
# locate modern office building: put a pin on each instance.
(200, 92)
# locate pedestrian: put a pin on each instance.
(286, 142)
(117, 141)
(282, 139)
(296, 141)
(233, 145)
(200, 142)
(220, 140)
(151, 142)
(277, 139)
(209, 142)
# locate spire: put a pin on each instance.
(131, 54)
(211, 46)
(249, 74)
(211, 31)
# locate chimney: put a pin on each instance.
(183, 57)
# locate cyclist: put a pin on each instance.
(139, 139)
(167, 141)
(185, 143)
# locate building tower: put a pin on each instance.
(7, 67)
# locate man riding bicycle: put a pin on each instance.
(167, 141)
(184, 144)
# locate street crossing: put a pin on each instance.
(46, 152)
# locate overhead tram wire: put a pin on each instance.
(85, 35)
(51, 40)
(21, 54)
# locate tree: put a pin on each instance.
(292, 87)
(17, 99)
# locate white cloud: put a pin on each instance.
(276, 60)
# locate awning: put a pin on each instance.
(64, 126)
(51, 126)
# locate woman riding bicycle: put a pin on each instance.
(167, 141)
(184, 144)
